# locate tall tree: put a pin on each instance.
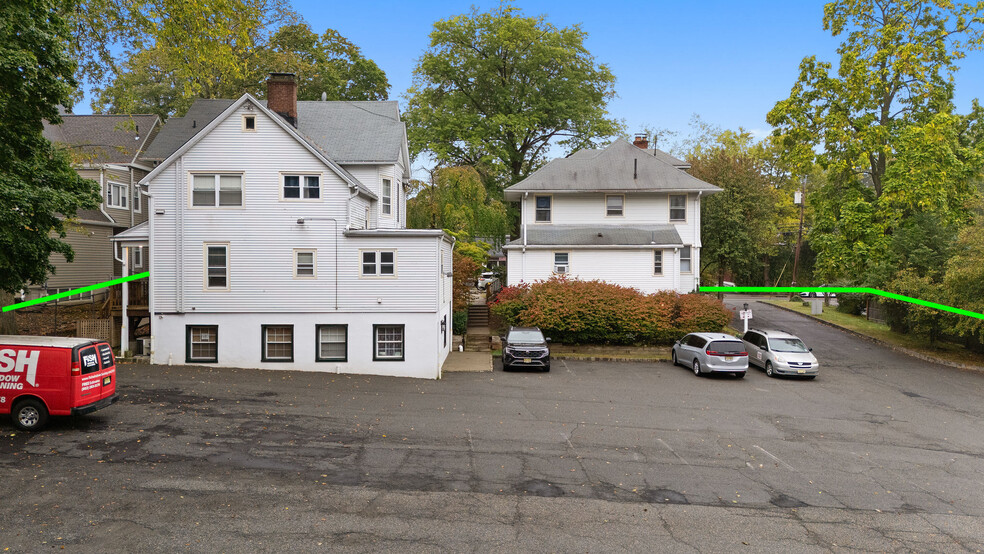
(740, 224)
(889, 100)
(458, 202)
(495, 90)
(37, 181)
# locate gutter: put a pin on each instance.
(594, 246)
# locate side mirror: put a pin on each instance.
(811, 350)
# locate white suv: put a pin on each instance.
(780, 353)
(485, 278)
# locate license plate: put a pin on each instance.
(107, 380)
(527, 360)
(729, 358)
(800, 371)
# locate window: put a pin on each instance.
(685, 259)
(137, 200)
(217, 190)
(201, 343)
(249, 122)
(388, 342)
(562, 262)
(367, 218)
(614, 204)
(387, 196)
(305, 265)
(378, 263)
(278, 343)
(302, 186)
(678, 207)
(138, 256)
(658, 262)
(543, 209)
(116, 195)
(217, 266)
(332, 343)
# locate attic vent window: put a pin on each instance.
(249, 122)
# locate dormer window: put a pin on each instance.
(249, 122)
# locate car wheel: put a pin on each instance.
(546, 367)
(740, 375)
(30, 415)
(810, 377)
(674, 358)
(506, 367)
(768, 369)
(697, 368)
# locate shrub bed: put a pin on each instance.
(594, 312)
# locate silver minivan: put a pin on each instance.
(711, 353)
(780, 353)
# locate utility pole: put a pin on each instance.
(800, 199)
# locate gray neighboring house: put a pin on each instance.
(626, 214)
(106, 149)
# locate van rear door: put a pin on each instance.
(89, 384)
(107, 377)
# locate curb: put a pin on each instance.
(896, 348)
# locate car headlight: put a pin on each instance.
(780, 359)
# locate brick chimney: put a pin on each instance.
(641, 141)
(282, 96)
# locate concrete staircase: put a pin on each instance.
(478, 337)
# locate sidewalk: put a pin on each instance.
(467, 361)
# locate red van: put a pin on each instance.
(42, 376)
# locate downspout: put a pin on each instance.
(522, 217)
(150, 268)
(696, 248)
(125, 300)
(179, 235)
(133, 193)
(102, 193)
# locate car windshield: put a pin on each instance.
(525, 335)
(726, 346)
(787, 345)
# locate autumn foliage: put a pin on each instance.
(581, 312)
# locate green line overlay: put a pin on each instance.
(857, 290)
(97, 286)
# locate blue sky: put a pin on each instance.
(728, 61)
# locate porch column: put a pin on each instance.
(125, 327)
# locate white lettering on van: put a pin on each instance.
(26, 361)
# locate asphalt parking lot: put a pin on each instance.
(882, 452)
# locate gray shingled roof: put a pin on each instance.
(347, 132)
(98, 139)
(672, 160)
(600, 235)
(619, 167)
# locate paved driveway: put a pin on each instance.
(881, 452)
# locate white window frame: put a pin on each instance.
(217, 190)
(566, 266)
(367, 218)
(689, 259)
(549, 210)
(314, 263)
(249, 116)
(138, 256)
(658, 263)
(376, 357)
(386, 200)
(621, 208)
(302, 186)
(318, 342)
(205, 267)
(110, 197)
(378, 263)
(190, 342)
(684, 208)
(137, 201)
(264, 344)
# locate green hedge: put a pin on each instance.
(459, 322)
(594, 312)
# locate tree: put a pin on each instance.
(884, 122)
(328, 64)
(739, 224)
(37, 181)
(458, 202)
(496, 90)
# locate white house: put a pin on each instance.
(278, 240)
(625, 214)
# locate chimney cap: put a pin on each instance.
(274, 76)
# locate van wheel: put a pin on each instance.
(696, 367)
(673, 357)
(30, 415)
(768, 369)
